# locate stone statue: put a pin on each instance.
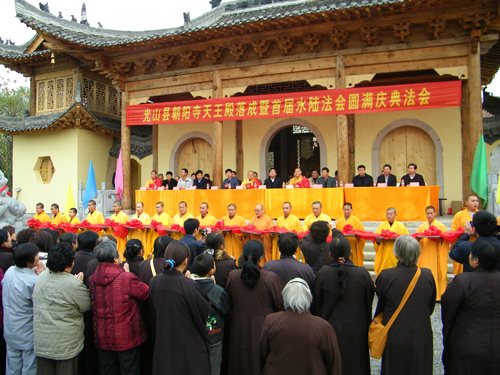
(11, 210)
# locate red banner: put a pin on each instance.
(297, 104)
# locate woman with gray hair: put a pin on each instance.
(295, 333)
(409, 342)
(119, 330)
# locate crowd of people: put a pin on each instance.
(273, 181)
(76, 304)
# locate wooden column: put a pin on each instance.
(472, 117)
(217, 133)
(125, 145)
(342, 128)
(33, 94)
(239, 148)
(350, 134)
(155, 148)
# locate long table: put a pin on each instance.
(369, 204)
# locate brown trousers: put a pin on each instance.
(54, 367)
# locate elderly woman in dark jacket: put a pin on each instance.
(118, 328)
(409, 342)
(471, 318)
(314, 245)
(224, 263)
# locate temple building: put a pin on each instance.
(84, 78)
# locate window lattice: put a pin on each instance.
(46, 169)
(88, 93)
(69, 91)
(297, 129)
(100, 100)
(41, 96)
(59, 92)
(50, 94)
(112, 101)
(279, 87)
(270, 160)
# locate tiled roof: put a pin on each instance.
(491, 103)
(42, 122)
(16, 53)
(228, 14)
(491, 129)
(139, 146)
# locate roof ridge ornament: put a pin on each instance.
(45, 7)
(84, 15)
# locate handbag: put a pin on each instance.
(377, 332)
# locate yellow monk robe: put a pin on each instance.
(74, 220)
(384, 253)
(310, 219)
(459, 221)
(179, 220)
(357, 244)
(207, 221)
(42, 218)
(96, 218)
(165, 219)
(58, 219)
(252, 183)
(141, 234)
(292, 222)
(262, 223)
(120, 218)
(234, 241)
(434, 256)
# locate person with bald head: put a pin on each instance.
(234, 241)
(288, 221)
(316, 215)
(262, 222)
(384, 254)
(299, 181)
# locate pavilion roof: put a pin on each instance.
(227, 14)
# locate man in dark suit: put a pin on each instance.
(412, 176)
(192, 227)
(273, 182)
(169, 182)
(362, 179)
(200, 182)
(326, 180)
(386, 177)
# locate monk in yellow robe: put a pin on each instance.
(73, 220)
(41, 215)
(161, 217)
(234, 241)
(357, 244)
(316, 215)
(180, 218)
(288, 221)
(94, 216)
(261, 221)
(384, 253)
(57, 217)
(459, 221)
(141, 234)
(119, 217)
(434, 254)
(205, 219)
(250, 182)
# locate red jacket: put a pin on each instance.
(115, 295)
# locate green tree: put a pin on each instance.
(14, 102)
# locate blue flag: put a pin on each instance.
(90, 187)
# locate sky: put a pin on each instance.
(128, 15)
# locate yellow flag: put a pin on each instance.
(70, 202)
(498, 188)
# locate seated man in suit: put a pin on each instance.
(412, 176)
(362, 179)
(325, 179)
(273, 182)
(200, 182)
(386, 177)
(313, 180)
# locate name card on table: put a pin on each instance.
(349, 185)
(262, 187)
(381, 184)
(239, 187)
(414, 184)
(289, 186)
(214, 188)
(192, 188)
(316, 186)
(161, 188)
(175, 188)
(142, 188)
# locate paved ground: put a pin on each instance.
(438, 342)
